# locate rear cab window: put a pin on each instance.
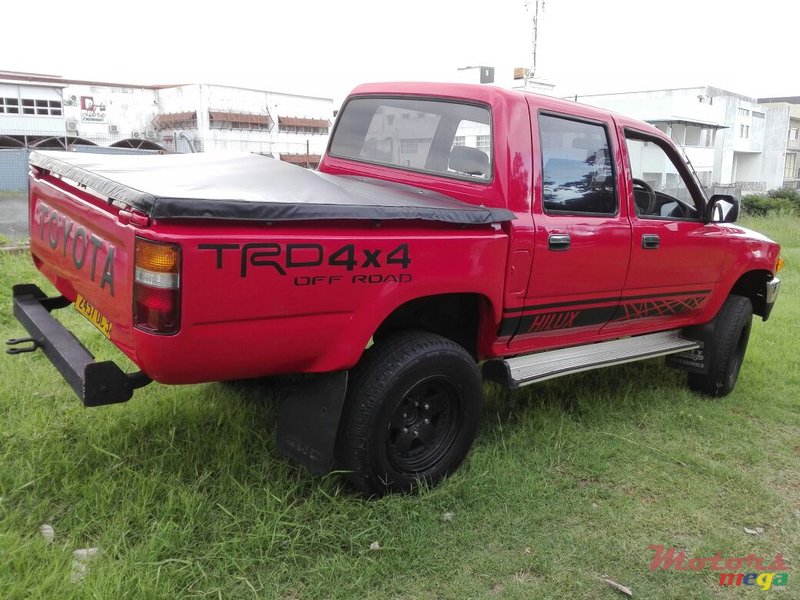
(439, 137)
(577, 167)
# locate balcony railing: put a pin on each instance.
(793, 145)
(751, 186)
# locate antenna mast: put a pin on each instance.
(533, 7)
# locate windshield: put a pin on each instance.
(432, 136)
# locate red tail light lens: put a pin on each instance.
(157, 287)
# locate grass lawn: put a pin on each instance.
(186, 496)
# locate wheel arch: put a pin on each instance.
(753, 285)
(455, 316)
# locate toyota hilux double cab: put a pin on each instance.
(451, 234)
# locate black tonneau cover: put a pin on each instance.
(239, 186)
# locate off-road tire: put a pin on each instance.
(725, 351)
(412, 411)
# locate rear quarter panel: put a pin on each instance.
(306, 297)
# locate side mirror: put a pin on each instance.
(722, 208)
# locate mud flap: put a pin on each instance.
(309, 421)
(694, 361)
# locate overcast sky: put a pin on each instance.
(325, 48)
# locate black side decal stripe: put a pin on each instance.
(635, 307)
(602, 301)
(551, 321)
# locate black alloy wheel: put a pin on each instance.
(424, 425)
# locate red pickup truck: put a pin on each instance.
(451, 233)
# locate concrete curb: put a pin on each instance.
(18, 248)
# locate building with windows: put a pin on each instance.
(787, 117)
(729, 138)
(46, 111)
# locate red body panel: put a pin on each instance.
(72, 230)
(312, 318)
(259, 299)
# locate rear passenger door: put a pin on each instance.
(582, 233)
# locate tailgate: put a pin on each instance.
(80, 244)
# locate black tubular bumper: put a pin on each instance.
(95, 383)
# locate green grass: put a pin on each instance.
(185, 494)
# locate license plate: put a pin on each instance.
(84, 307)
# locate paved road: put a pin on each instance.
(14, 217)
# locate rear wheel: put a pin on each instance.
(411, 415)
(726, 348)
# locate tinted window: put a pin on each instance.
(576, 162)
(445, 138)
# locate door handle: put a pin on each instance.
(650, 241)
(558, 241)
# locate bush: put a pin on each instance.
(783, 199)
(792, 194)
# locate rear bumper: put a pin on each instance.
(95, 383)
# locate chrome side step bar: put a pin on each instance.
(531, 368)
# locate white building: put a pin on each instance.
(787, 117)
(227, 118)
(729, 138)
(43, 111)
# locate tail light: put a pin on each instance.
(157, 287)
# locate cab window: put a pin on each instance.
(578, 175)
(659, 188)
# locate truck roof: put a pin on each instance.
(493, 95)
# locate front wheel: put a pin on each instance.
(725, 350)
(411, 415)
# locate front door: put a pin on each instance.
(676, 258)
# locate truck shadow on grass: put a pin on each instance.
(620, 392)
(200, 436)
